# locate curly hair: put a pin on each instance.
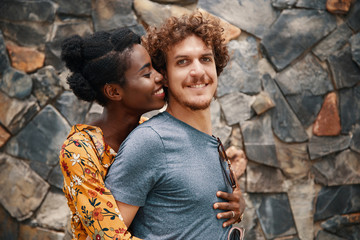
(158, 41)
(96, 60)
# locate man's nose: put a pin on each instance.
(197, 69)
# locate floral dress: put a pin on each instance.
(84, 161)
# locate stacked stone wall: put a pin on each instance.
(289, 98)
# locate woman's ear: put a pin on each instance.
(113, 91)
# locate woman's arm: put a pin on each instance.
(94, 208)
(128, 211)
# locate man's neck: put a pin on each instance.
(198, 119)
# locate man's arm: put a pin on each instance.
(127, 211)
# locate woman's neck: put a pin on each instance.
(116, 126)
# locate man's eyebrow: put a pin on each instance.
(204, 55)
(145, 66)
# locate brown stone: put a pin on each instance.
(338, 6)
(4, 136)
(327, 122)
(28, 233)
(262, 103)
(238, 160)
(24, 58)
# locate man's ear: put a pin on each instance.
(113, 91)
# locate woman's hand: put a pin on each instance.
(235, 206)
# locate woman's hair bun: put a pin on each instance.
(71, 53)
(81, 87)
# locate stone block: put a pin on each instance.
(274, 213)
(4, 136)
(16, 83)
(259, 141)
(328, 121)
(30, 233)
(32, 11)
(247, 15)
(73, 109)
(337, 200)
(322, 146)
(355, 48)
(46, 85)
(236, 138)
(283, 4)
(9, 227)
(355, 140)
(111, 14)
(353, 18)
(293, 33)
(323, 235)
(180, 2)
(22, 189)
(262, 103)
(345, 71)
(264, 179)
(241, 74)
(41, 139)
(69, 7)
(4, 58)
(338, 6)
(236, 107)
(349, 100)
(54, 212)
(14, 113)
(285, 124)
(94, 112)
(56, 177)
(312, 4)
(346, 226)
(25, 59)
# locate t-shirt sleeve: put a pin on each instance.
(137, 169)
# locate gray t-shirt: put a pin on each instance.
(173, 172)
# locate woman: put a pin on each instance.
(113, 69)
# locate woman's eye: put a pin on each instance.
(147, 75)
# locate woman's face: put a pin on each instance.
(143, 90)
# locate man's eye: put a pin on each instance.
(207, 59)
(183, 61)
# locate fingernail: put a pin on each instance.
(215, 206)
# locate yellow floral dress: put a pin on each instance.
(84, 160)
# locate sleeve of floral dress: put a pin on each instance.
(95, 212)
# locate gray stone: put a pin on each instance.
(79, 7)
(294, 32)
(32, 11)
(353, 18)
(56, 177)
(4, 58)
(9, 227)
(274, 213)
(236, 107)
(337, 223)
(293, 159)
(245, 14)
(22, 189)
(259, 140)
(241, 74)
(263, 179)
(355, 48)
(305, 106)
(306, 75)
(345, 71)
(333, 42)
(111, 14)
(236, 138)
(73, 109)
(284, 122)
(54, 212)
(302, 195)
(283, 4)
(266, 68)
(46, 85)
(340, 169)
(43, 170)
(349, 100)
(355, 140)
(323, 235)
(180, 2)
(322, 146)
(64, 30)
(312, 4)
(94, 113)
(41, 139)
(16, 83)
(337, 201)
(26, 33)
(14, 113)
(222, 131)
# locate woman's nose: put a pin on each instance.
(158, 77)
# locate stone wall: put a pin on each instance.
(290, 98)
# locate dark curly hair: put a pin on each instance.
(158, 41)
(96, 60)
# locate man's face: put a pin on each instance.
(191, 74)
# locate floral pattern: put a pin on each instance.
(84, 162)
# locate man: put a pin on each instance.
(170, 165)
